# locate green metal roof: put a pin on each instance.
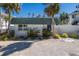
(31, 21)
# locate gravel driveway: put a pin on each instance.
(50, 47)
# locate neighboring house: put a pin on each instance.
(21, 25)
(74, 18)
(3, 23)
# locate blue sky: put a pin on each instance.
(38, 8)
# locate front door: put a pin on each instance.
(49, 27)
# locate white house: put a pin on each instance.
(74, 18)
(21, 25)
(3, 23)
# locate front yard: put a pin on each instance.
(49, 47)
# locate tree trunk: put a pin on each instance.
(53, 27)
(9, 21)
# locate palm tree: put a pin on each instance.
(56, 19)
(77, 7)
(33, 14)
(43, 15)
(38, 16)
(51, 10)
(10, 8)
(28, 14)
(64, 18)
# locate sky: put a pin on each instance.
(38, 8)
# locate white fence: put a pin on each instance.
(67, 28)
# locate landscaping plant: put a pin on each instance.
(4, 37)
(64, 35)
(57, 36)
(46, 33)
(74, 35)
(33, 34)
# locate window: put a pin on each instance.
(22, 27)
(25, 28)
(25, 25)
(73, 16)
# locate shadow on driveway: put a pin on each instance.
(18, 46)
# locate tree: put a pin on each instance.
(43, 16)
(64, 18)
(1, 22)
(28, 14)
(56, 19)
(38, 16)
(10, 8)
(77, 6)
(33, 14)
(51, 10)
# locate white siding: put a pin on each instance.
(24, 33)
(17, 32)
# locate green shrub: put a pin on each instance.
(33, 34)
(12, 33)
(64, 35)
(46, 33)
(57, 36)
(4, 37)
(74, 35)
(7, 36)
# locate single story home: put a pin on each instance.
(21, 25)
